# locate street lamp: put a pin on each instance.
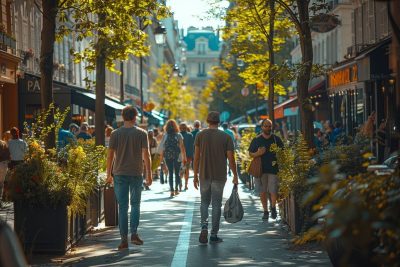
(160, 35)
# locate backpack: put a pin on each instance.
(171, 146)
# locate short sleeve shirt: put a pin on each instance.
(128, 143)
(268, 159)
(214, 145)
(188, 141)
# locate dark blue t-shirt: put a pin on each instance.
(268, 157)
(188, 141)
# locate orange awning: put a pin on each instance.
(279, 109)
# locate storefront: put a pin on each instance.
(80, 101)
(288, 110)
(347, 96)
(8, 89)
(361, 86)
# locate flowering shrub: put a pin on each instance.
(243, 153)
(50, 177)
(38, 180)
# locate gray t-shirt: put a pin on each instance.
(18, 148)
(128, 144)
(213, 145)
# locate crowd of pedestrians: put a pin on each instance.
(136, 156)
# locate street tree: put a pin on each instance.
(301, 13)
(257, 30)
(114, 31)
(50, 11)
(217, 84)
(172, 94)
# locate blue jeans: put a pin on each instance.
(173, 168)
(123, 186)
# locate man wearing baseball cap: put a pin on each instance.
(212, 148)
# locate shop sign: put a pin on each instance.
(343, 76)
(33, 85)
(324, 22)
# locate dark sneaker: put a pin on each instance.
(215, 239)
(273, 213)
(265, 216)
(203, 238)
(135, 239)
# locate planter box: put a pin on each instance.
(41, 229)
(291, 214)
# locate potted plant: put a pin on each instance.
(40, 192)
(52, 185)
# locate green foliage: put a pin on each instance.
(219, 83)
(248, 32)
(361, 212)
(85, 161)
(172, 95)
(112, 28)
(295, 163)
(49, 177)
(38, 181)
(243, 152)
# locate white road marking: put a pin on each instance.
(182, 248)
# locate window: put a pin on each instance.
(201, 69)
(201, 48)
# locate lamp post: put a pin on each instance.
(160, 35)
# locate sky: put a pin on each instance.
(190, 13)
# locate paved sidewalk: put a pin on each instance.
(170, 229)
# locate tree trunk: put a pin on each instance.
(46, 62)
(305, 75)
(395, 22)
(100, 87)
(271, 74)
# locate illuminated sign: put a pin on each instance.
(343, 76)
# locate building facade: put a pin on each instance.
(9, 60)
(202, 52)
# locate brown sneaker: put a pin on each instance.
(123, 245)
(203, 238)
(172, 194)
(176, 192)
(135, 239)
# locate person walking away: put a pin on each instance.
(212, 149)
(188, 142)
(83, 133)
(153, 154)
(17, 147)
(4, 158)
(228, 131)
(196, 130)
(128, 149)
(260, 146)
(171, 147)
(107, 133)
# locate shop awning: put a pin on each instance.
(88, 100)
(279, 110)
